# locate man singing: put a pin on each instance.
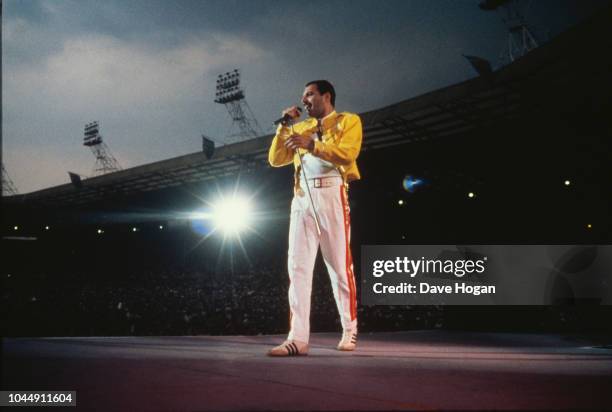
(323, 148)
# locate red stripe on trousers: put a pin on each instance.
(290, 312)
(349, 258)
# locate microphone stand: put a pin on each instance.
(316, 215)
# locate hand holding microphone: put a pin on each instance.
(290, 114)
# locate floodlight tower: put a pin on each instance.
(520, 39)
(105, 161)
(8, 187)
(230, 94)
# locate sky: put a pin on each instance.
(146, 70)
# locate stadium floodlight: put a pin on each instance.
(232, 215)
(230, 93)
(520, 39)
(105, 161)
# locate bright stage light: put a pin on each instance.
(228, 214)
(232, 215)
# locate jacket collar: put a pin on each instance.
(327, 122)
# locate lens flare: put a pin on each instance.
(410, 184)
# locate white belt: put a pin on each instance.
(320, 182)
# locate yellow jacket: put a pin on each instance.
(340, 144)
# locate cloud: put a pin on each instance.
(106, 72)
(142, 94)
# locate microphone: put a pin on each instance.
(286, 118)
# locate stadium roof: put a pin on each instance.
(524, 86)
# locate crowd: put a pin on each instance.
(198, 300)
(168, 301)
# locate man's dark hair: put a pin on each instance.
(325, 87)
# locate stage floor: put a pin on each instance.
(421, 370)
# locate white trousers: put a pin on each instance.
(332, 208)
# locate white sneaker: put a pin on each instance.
(348, 341)
(289, 348)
